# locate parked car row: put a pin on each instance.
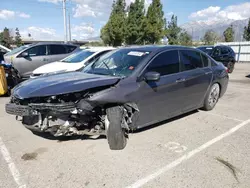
(117, 91)
(73, 62)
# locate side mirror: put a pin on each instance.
(24, 54)
(152, 76)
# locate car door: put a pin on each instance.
(197, 78)
(161, 99)
(25, 65)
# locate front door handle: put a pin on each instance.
(180, 80)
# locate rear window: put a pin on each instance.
(70, 48)
(57, 49)
(205, 60)
(207, 49)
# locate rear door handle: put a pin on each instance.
(44, 59)
(180, 80)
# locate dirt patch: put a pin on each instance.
(86, 183)
(29, 156)
(33, 155)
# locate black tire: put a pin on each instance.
(208, 104)
(115, 133)
(230, 67)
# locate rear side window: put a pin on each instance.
(165, 63)
(190, 59)
(57, 49)
(224, 51)
(216, 52)
(37, 51)
(70, 48)
(205, 60)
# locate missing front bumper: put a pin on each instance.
(20, 110)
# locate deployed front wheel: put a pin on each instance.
(116, 135)
(212, 97)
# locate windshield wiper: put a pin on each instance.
(110, 71)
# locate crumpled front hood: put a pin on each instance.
(61, 84)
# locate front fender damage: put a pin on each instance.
(84, 115)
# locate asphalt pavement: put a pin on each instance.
(199, 149)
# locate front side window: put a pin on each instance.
(78, 57)
(190, 59)
(57, 49)
(120, 62)
(165, 63)
(37, 51)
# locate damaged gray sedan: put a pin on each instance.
(123, 90)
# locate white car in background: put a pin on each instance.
(73, 62)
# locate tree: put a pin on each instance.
(154, 22)
(173, 31)
(229, 34)
(105, 35)
(113, 32)
(18, 40)
(134, 33)
(210, 37)
(246, 35)
(5, 38)
(185, 39)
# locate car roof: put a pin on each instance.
(155, 48)
(54, 43)
(205, 46)
(98, 49)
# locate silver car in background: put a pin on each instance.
(27, 58)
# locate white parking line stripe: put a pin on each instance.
(12, 167)
(225, 117)
(187, 156)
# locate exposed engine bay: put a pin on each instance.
(69, 114)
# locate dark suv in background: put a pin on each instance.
(224, 54)
(27, 58)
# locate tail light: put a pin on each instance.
(226, 69)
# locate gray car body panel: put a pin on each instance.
(27, 65)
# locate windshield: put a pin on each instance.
(117, 63)
(78, 57)
(207, 50)
(19, 49)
